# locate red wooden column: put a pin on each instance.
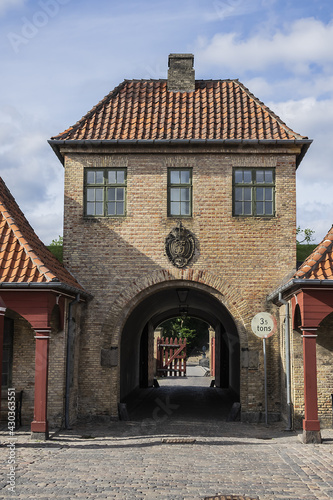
(2, 321)
(39, 425)
(311, 424)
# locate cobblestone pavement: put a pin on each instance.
(168, 453)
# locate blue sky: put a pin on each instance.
(60, 57)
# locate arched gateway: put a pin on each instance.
(142, 308)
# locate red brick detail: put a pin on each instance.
(132, 294)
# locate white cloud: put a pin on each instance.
(315, 174)
(296, 46)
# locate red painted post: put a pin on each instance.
(2, 322)
(311, 424)
(39, 426)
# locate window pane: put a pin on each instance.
(120, 194)
(238, 194)
(99, 208)
(238, 208)
(90, 194)
(185, 208)
(260, 177)
(112, 176)
(175, 208)
(120, 208)
(99, 179)
(111, 194)
(260, 194)
(90, 177)
(120, 177)
(247, 194)
(268, 208)
(99, 194)
(247, 208)
(185, 177)
(175, 194)
(260, 208)
(90, 208)
(174, 176)
(185, 194)
(269, 176)
(238, 176)
(111, 208)
(269, 194)
(247, 176)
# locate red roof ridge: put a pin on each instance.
(319, 264)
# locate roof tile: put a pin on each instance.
(319, 265)
(132, 108)
(23, 257)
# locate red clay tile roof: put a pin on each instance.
(23, 257)
(319, 265)
(146, 110)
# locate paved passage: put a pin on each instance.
(171, 448)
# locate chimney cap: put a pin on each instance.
(179, 57)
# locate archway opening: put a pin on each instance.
(138, 348)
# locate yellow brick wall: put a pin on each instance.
(252, 255)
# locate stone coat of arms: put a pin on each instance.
(180, 246)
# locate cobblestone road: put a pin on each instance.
(170, 454)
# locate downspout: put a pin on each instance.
(68, 359)
(287, 343)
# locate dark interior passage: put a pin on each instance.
(159, 407)
(138, 352)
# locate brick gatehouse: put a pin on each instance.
(178, 192)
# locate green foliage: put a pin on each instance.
(306, 234)
(303, 251)
(56, 248)
(57, 243)
(194, 330)
(304, 246)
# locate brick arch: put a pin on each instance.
(133, 294)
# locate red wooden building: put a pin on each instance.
(36, 293)
(309, 297)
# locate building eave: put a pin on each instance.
(56, 144)
(53, 286)
(289, 288)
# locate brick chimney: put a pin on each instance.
(181, 76)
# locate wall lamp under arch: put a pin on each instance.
(182, 294)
